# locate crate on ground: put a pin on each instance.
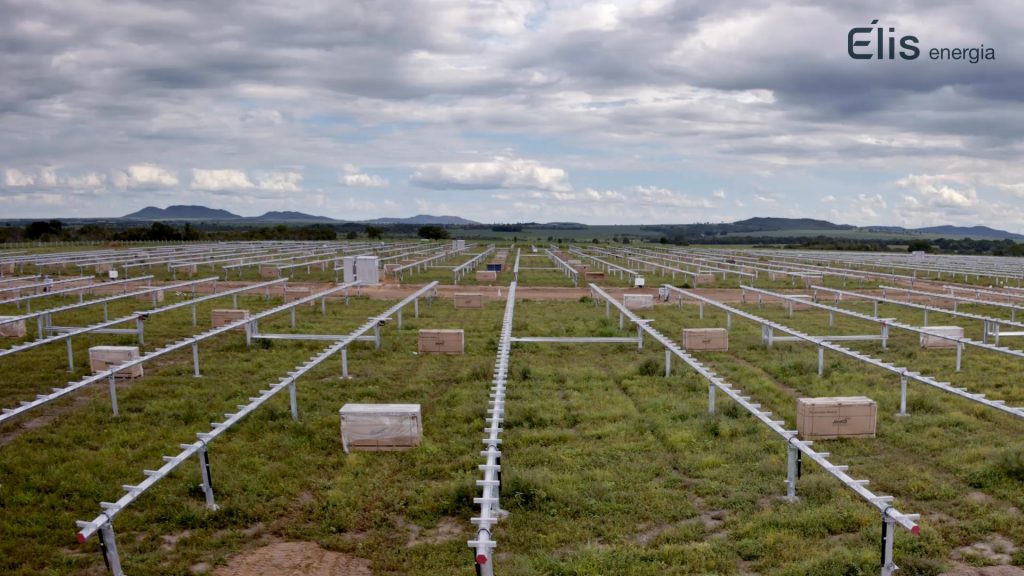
(293, 293)
(469, 300)
(106, 357)
(380, 427)
(486, 276)
(836, 417)
(7, 268)
(593, 275)
(268, 271)
(581, 268)
(707, 339)
(12, 329)
(442, 341)
(638, 301)
(940, 336)
(225, 316)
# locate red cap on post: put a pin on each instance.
(481, 559)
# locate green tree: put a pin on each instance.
(432, 232)
(374, 232)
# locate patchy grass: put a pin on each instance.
(608, 466)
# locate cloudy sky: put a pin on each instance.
(512, 110)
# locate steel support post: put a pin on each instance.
(344, 362)
(106, 313)
(701, 308)
(140, 330)
(195, 359)
(831, 319)
(876, 306)
(668, 363)
(204, 469)
(416, 308)
(194, 322)
(399, 319)
(728, 320)
(108, 545)
(293, 401)
(234, 300)
(113, 395)
(622, 321)
(903, 395)
(639, 337)
(791, 470)
(821, 360)
(959, 354)
(925, 317)
(889, 567)
(376, 336)
(323, 306)
(71, 356)
(711, 398)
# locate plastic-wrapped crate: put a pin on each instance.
(638, 301)
(939, 336)
(380, 427)
(105, 357)
(12, 329)
(486, 276)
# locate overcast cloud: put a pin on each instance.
(601, 112)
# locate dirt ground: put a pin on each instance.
(294, 559)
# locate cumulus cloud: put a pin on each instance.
(937, 190)
(280, 182)
(215, 180)
(144, 176)
(828, 199)
(500, 172)
(720, 194)
(16, 178)
(362, 181)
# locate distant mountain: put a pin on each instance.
(424, 219)
(761, 224)
(288, 216)
(970, 231)
(181, 212)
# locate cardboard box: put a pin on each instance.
(638, 301)
(442, 342)
(159, 294)
(12, 329)
(573, 262)
(838, 417)
(104, 357)
(267, 271)
(469, 300)
(593, 275)
(933, 341)
(581, 268)
(707, 339)
(380, 427)
(486, 276)
(225, 316)
(292, 294)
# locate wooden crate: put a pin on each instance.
(270, 272)
(934, 341)
(104, 357)
(581, 268)
(12, 329)
(707, 339)
(438, 341)
(225, 316)
(380, 427)
(836, 417)
(593, 275)
(469, 300)
(486, 276)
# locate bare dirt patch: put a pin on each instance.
(996, 549)
(447, 529)
(964, 570)
(294, 559)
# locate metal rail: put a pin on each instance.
(191, 341)
(461, 270)
(81, 290)
(569, 271)
(795, 447)
(823, 344)
(103, 522)
(490, 510)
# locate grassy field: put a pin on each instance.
(608, 466)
